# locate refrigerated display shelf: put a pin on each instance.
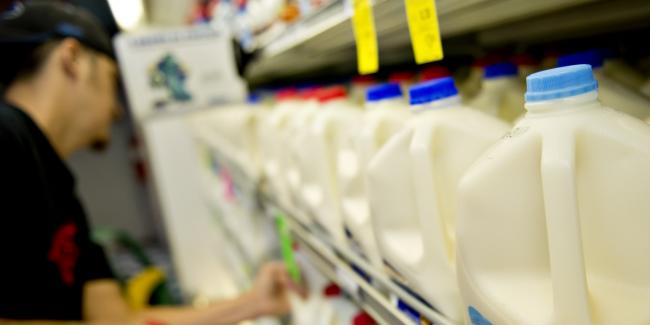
(326, 37)
(339, 263)
(335, 262)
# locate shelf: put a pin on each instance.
(332, 260)
(335, 262)
(325, 41)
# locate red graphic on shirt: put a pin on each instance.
(64, 251)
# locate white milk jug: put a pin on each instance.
(386, 112)
(501, 94)
(610, 92)
(469, 87)
(553, 220)
(412, 189)
(272, 141)
(295, 143)
(238, 127)
(336, 118)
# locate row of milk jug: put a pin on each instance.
(255, 138)
(542, 223)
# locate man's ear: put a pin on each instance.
(69, 56)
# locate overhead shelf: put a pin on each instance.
(325, 40)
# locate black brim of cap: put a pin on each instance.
(40, 22)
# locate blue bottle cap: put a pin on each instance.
(560, 83)
(254, 98)
(503, 69)
(383, 91)
(433, 90)
(592, 57)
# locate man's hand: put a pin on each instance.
(271, 290)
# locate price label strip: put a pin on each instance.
(286, 246)
(425, 33)
(365, 36)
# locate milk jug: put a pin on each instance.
(237, 126)
(610, 92)
(386, 112)
(553, 219)
(272, 140)
(501, 95)
(336, 120)
(412, 189)
(297, 150)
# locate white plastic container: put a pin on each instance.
(297, 149)
(501, 94)
(336, 121)
(386, 112)
(237, 127)
(412, 189)
(552, 221)
(610, 92)
(471, 85)
(273, 144)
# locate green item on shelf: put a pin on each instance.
(286, 244)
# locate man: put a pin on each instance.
(59, 82)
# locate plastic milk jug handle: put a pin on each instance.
(570, 293)
(434, 235)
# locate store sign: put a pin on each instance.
(178, 69)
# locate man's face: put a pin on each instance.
(97, 103)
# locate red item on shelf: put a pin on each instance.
(434, 72)
(524, 59)
(332, 93)
(332, 290)
(363, 80)
(363, 319)
(401, 76)
(488, 59)
(310, 93)
(286, 94)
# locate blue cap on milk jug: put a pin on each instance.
(594, 58)
(560, 83)
(433, 90)
(383, 91)
(502, 69)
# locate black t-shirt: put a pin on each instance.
(46, 254)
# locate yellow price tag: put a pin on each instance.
(425, 33)
(365, 36)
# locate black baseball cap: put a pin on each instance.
(35, 23)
